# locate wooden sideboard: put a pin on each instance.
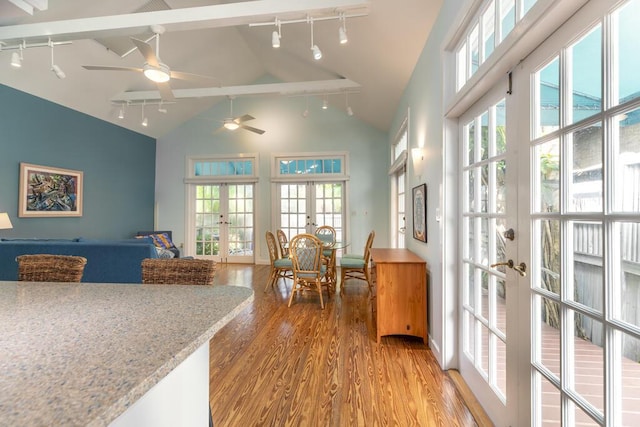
(401, 292)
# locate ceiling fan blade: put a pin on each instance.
(252, 129)
(108, 68)
(165, 91)
(206, 80)
(244, 118)
(147, 51)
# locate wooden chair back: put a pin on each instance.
(306, 253)
(326, 233)
(282, 241)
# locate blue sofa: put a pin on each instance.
(108, 261)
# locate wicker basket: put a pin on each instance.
(180, 271)
(50, 268)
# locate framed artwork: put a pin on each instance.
(420, 212)
(47, 191)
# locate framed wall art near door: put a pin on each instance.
(49, 191)
(420, 212)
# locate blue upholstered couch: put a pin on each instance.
(108, 261)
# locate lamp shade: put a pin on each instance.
(5, 222)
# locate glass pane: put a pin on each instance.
(474, 50)
(548, 156)
(630, 379)
(488, 30)
(585, 185)
(469, 341)
(501, 306)
(549, 255)
(549, 397)
(507, 17)
(500, 249)
(626, 160)
(586, 364)
(586, 260)
(501, 366)
(461, 66)
(580, 417)
(471, 248)
(483, 364)
(484, 135)
(471, 190)
(548, 320)
(485, 296)
(528, 4)
(625, 266)
(628, 60)
(474, 277)
(484, 242)
(501, 186)
(484, 201)
(586, 94)
(471, 147)
(549, 98)
(501, 128)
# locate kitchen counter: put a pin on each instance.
(83, 353)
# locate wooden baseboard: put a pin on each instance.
(481, 417)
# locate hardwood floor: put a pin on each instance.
(303, 366)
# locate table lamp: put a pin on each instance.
(5, 222)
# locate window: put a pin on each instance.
(398, 173)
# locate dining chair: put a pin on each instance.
(327, 234)
(283, 242)
(356, 268)
(309, 269)
(50, 268)
(372, 235)
(178, 271)
(280, 267)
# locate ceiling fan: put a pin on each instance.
(154, 69)
(233, 123)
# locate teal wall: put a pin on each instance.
(118, 167)
(286, 132)
(424, 99)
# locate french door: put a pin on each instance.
(224, 222)
(490, 267)
(583, 216)
(305, 206)
(571, 274)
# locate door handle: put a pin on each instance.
(520, 268)
(510, 234)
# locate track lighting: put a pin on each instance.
(145, 122)
(346, 101)
(16, 59)
(305, 113)
(161, 109)
(317, 53)
(349, 111)
(276, 36)
(56, 70)
(342, 31)
(121, 112)
(325, 104)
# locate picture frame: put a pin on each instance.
(419, 197)
(47, 191)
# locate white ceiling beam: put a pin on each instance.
(294, 88)
(194, 18)
(29, 5)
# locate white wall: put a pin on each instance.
(423, 98)
(286, 132)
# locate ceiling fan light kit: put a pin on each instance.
(159, 74)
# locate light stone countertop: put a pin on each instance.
(76, 354)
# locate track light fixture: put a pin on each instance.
(276, 35)
(121, 112)
(346, 101)
(305, 113)
(145, 122)
(325, 103)
(16, 59)
(317, 53)
(342, 31)
(56, 70)
(161, 109)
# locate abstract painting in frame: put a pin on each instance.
(48, 191)
(420, 212)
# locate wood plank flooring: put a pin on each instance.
(303, 366)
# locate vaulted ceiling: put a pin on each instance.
(221, 40)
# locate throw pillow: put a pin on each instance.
(164, 253)
(162, 240)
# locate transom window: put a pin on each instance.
(495, 20)
(213, 167)
(312, 165)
